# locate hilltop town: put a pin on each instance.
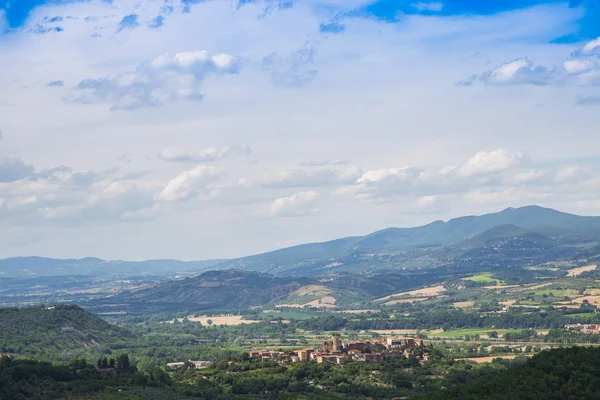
(336, 351)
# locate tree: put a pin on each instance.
(209, 321)
(123, 362)
(493, 335)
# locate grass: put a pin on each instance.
(467, 331)
(582, 315)
(484, 278)
(298, 315)
(474, 331)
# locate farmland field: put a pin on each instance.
(428, 291)
(220, 320)
(485, 278)
(578, 271)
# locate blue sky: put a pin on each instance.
(199, 129)
(17, 11)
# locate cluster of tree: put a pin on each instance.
(447, 319)
(567, 373)
(26, 379)
(44, 333)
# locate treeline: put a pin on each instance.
(27, 379)
(449, 319)
(560, 374)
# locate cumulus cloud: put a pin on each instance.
(13, 168)
(301, 178)
(189, 184)
(61, 197)
(486, 162)
(486, 168)
(293, 69)
(210, 154)
(519, 71)
(56, 84)
(69, 175)
(296, 205)
(166, 78)
(581, 68)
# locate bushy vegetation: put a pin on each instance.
(560, 374)
(42, 332)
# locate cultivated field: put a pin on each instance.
(591, 299)
(325, 302)
(487, 277)
(464, 304)
(396, 332)
(481, 360)
(508, 303)
(220, 320)
(401, 301)
(429, 291)
(578, 271)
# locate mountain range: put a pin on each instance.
(525, 235)
(515, 235)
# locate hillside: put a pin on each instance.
(528, 231)
(569, 373)
(37, 331)
(213, 290)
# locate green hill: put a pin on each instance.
(40, 331)
(213, 290)
(570, 373)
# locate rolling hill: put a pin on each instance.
(231, 289)
(213, 290)
(36, 331)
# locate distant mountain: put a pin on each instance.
(436, 244)
(231, 289)
(37, 331)
(28, 267)
(513, 236)
(212, 290)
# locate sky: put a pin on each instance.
(200, 129)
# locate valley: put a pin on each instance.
(496, 300)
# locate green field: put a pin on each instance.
(469, 331)
(298, 315)
(484, 278)
(582, 315)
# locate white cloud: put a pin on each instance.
(518, 71)
(165, 78)
(591, 48)
(378, 93)
(301, 178)
(210, 154)
(298, 204)
(431, 7)
(582, 68)
(189, 184)
(386, 174)
(486, 162)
